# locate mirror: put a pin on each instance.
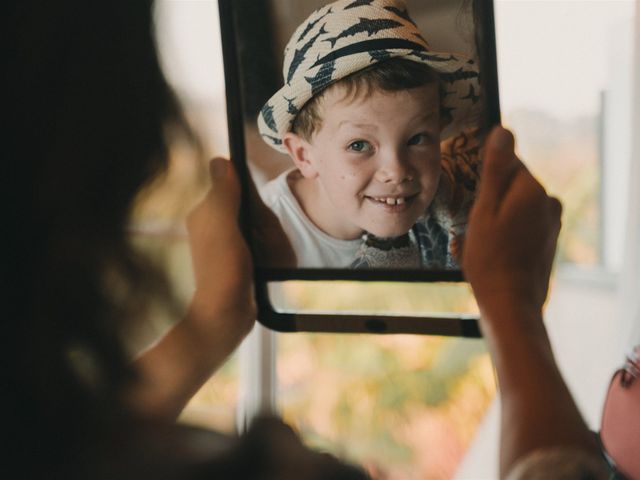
(362, 122)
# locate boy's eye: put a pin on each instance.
(419, 139)
(360, 146)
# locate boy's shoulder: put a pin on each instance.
(279, 197)
(276, 190)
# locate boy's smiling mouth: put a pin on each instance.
(390, 200)
(397, 201)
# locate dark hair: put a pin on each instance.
(390, 75)
(90, 119)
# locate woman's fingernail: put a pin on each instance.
(218, 167)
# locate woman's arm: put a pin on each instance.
(508, 253)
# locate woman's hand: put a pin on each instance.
(220, 256)
(513, 228)
(222, 311)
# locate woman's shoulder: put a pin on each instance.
(269, 450)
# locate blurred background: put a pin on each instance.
(416, 407)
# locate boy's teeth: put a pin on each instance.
(391, 201)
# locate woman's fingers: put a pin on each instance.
(221, 260)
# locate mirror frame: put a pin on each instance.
(445, 325)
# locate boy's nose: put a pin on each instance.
(394, 168)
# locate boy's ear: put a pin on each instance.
(299, 151)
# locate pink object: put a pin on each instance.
(620, 428)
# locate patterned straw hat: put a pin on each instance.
(346, 36)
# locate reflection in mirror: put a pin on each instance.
(365, 147)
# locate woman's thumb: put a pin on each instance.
(225, 186)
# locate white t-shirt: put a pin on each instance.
(313, 247)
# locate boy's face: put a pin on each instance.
(374, 164)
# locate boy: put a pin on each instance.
(360, 115)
